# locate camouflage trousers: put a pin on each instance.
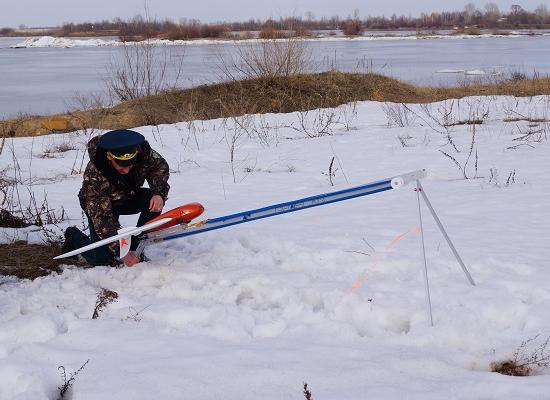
(104, 255)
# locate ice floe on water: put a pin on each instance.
(489, 71)
(49, 41)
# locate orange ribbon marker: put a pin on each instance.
(359, 281)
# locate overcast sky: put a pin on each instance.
(35, 13)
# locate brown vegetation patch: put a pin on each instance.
(8, 220)
(510, 368)
(467, 31)
(31, 125)
(467, 122)
(527, 119)
(30, 261)
(529, 357)
(266, 95)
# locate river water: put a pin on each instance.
(47, 80)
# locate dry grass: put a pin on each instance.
(30, 261)
(510, 368)
(529, 358)
(269, 95)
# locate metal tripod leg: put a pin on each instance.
(427, 285)
(442, 229)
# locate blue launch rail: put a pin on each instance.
(281, 208)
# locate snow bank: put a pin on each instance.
(493, 71)
(48, 41)
(332, 296)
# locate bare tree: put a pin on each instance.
(267, 59)
(516, 9)
(143, 69)
(469, 12)
(492, 13)
(541, 12)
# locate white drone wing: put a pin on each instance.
(124, 233)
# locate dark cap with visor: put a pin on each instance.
(122, 145)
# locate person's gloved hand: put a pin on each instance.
(156, 203)
(130, 259)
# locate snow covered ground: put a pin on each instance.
(332, 296)
(50, 41)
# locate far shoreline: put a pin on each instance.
(70, 41)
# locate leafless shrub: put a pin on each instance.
(266, 59)
(40, 213)
(316, 123)
(32, 211)
(352, 27)
(307, 393)
(59, 148)
(463, 166)
(233, 137)
(441, 120)
(257, 127)
(331, 173)
(347, 114)
(494, 178)
(442, 117)
(525, 109)
(511, 178)
(104, 297)
(240, 126)
(6, 183)
(363, 252)
(189, 163)
(190, 134)
(68, 383)
(398, 114)
(89, 114)
(524, 361)
(135, 74)
(134, 315)
(141, 70)
(266, 132)
(365, 65)
(404, 140)
(76, 168)
(517, 76)
(535, 133)
(478, 109)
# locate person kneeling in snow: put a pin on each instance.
(120, 162)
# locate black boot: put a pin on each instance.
(72, 233)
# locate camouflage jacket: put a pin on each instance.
(103, 188)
